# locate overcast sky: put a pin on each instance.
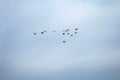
(92, 54)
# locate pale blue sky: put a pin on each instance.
(93, 54)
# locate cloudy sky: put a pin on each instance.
(92, 54)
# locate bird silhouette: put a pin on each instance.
(76, 29)
(42, 32)
(76, 32)
(64, 41)
(53, 31)
(68, 33)
(71, 35)
(63, 33)
(34, 33)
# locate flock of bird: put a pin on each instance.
(65, 32)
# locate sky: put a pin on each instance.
(92, 54)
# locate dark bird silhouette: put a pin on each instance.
(63, 33)
(76, 29)
(68, 33)
(71, 35)
(76, 32)
(66, 30)
(42, 32)
(35, 33)
(64, 41)
(53, 31)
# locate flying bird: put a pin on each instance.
(76, 32)
(68, 33)
(34, 33)
(64, 41)
(53, 31)
(76, 29)
(63, 33)
(42, 32)
(71, 35)
(66, 30)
